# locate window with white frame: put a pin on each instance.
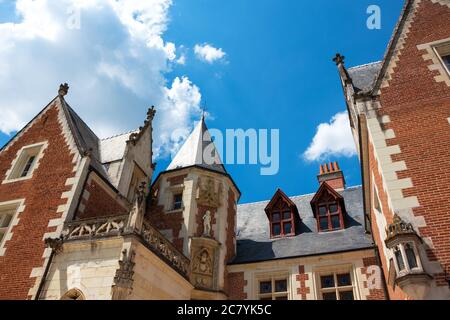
(336, 286)
(443, 52)
(273, 288)
(407, 258)
(7, 213)
(26, 162)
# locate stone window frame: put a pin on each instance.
(170, 196)
(18, 207)
(272, 276)
(434, 53)
(336, 269)
(18, 163)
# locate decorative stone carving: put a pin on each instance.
(123, 280)
(135, 136)
(138, 210)
(163, 247)
(207, 224)
(63, 90)
(55, 244)
(95, 228)
(204, 263)
(207, 193)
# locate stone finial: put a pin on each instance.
(399, 227)
(339, 59)
(151, 113)
(63, 89)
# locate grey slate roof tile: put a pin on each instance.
(365, 76)
(253, 237)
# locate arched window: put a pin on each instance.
(73, 294)
(282, 214)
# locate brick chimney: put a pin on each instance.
(332, 174)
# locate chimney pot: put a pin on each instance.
(332, 174)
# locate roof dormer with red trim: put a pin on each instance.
(329, 209)
(283, 216)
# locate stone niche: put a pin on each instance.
(204, 263)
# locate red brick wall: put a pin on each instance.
(42, 195)
(301, 278)
(236, 284)
(418, 107)
(374, 293)
(99, 204)
(394, 293)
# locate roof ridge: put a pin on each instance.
(297, 196)
(119, 134)
(365, 65)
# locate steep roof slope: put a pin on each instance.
(253, 234)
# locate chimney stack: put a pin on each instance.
(332, 174)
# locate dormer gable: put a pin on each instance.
(329, 209)
(283, 216)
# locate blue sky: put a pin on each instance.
(275, 72)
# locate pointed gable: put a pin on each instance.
(283, 215)
(329, 208)
(198, 144)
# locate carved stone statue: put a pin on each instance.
(208, 194)
(207, 224)
(203, 263)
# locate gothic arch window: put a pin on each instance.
(73, 294)
(328, 208)
(283, 216)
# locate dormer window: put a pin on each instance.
(283, 215)
(328, 208)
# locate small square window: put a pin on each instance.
(276, 217)
(265, 287)
(287, 215)
(333, 208)
(337, 286)
(322, 211)
(281, 285)
(329, 296)
(335, 222)
(177, 201)
(274, 288)
(324, 224)
(287, 228)
(327, 281)
(25, 163)
(446, 60)
(6, 215)
(276, 229)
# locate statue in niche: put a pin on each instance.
(207, 224)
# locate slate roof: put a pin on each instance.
(253, 237)
(191, 153)
(113, 148)
(87, 141)
(365, 76)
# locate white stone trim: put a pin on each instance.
(20, 204)
(434, 56)
(400, 45)
(80, 165)
(42, 147)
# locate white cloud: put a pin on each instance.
(332, 139)
(208, 53)
(182, 100)
(112, 54)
